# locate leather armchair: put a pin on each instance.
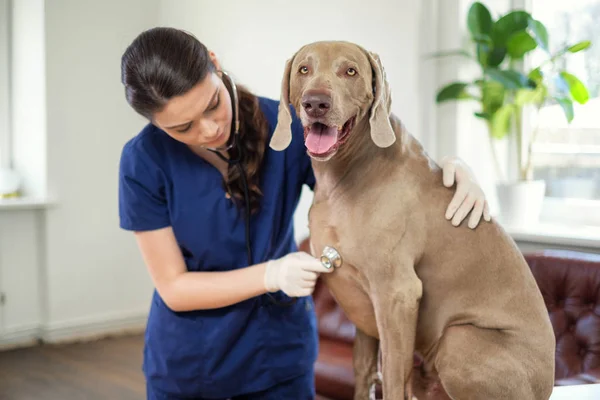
(570, 284)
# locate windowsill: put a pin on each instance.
(25, 203)
(554, 234)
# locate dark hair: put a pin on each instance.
(165, 62)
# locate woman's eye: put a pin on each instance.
(184, 130)
(303, 70)
(214, 107)
(351, 72)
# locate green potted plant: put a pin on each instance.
(504, 89)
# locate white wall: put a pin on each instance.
(254, 39)
(70, 269)
(94, 271)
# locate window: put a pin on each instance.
(4, 84)
(566, 155)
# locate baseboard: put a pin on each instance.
(84, 329)
(20, 337)
(81, 329)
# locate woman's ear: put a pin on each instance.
(215, 60)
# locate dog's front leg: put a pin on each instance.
(364, 358)
(396, 302)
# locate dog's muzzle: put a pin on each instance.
(331, 258)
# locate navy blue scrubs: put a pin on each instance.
(245, 348)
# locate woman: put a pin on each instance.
(232, 315)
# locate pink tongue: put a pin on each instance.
(321, 139)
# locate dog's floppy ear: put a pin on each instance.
(283, 132)
(382, 132)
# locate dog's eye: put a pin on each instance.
(351, 72)
(303, 70)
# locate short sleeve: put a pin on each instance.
(142, 197)
(308, 176)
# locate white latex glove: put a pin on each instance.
(469, 196)
(295, 274)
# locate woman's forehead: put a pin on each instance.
(183, 108)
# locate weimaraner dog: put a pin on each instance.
(410, 281)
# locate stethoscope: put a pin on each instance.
(238, 163)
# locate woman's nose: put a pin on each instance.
(209, 129)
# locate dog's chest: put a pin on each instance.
(348, 284)
(328, 227)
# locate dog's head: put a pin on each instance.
(333, 86)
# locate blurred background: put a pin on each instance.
(67, 272)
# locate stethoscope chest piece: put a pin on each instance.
(330, 258)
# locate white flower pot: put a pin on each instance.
(520, 203)
(10, 183)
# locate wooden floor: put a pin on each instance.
(101, 370)
(108, 369)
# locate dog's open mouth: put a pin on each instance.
(322, 140)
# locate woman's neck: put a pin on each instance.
(212, 158)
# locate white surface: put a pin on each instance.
(551, 234)
(25, 203)
(576, 392)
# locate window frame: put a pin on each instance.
(563, 211)
(5, 84)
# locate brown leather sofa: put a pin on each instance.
(570, 284)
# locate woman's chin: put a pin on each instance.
(219, 141)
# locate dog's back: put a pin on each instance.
(476, 278)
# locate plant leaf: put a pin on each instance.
(483, 39)
(567, 106)
(509, 78)
(519, 44)
(530, 96)
(579, 46)
(536, 75)
(500, 125)
(540, 33)
(485, 116)
(483, 54)
(453, 91)
(576, 87)
(508, 25)
(496, 57)
(479, 19)
(493, 94)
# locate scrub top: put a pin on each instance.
(242, 348)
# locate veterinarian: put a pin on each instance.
(232, 315)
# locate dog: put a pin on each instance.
(465, 300)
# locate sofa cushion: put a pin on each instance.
(332, 321)
(570, 284)
(334, 376)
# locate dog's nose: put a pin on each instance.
(316, 104)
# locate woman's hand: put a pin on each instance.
(295, 274)
(469, 196)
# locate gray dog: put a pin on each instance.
(475, 314)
